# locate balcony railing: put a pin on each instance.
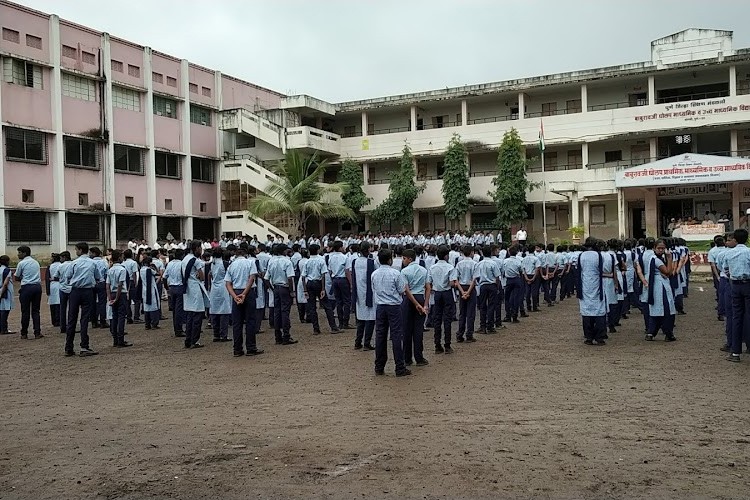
(552, 168)
(693, 97)
(483, 173)
(378, 181)
(742, 153)
(553, 112)
(493, 119)
(617, 105)
(392, 130)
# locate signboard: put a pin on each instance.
(698, 232)
(685, 169)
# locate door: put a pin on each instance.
(639, 222)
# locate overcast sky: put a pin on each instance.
(340, 50)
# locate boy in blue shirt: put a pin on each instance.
(388, 286)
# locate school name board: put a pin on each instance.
(685, 169)
(694, 110)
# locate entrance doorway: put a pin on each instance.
(673, 209)
(638, 222)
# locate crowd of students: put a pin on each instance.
(394, 286)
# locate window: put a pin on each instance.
(129, 227)
(549, 108)
(169, 225)
(88, 57)
(202, 169)
(370, 129)
(193, 88)
(440, 169)
(80, 153)
(202, 206)
(638, 99)
(157, 77)
(167, 204)
(514, 112)
(167, 165)
(165, 107)
(116, 66)
(598, 214)
(10, 35)
(172, 81)
(134, 71)
(27, 226)
(575, 159)
(126, 98)
(439, 121)
(199, 115)
(25, 145)
(206, 91)
(83, 199)
(349, 131)
(69, 52)
(129, 202)
(128, 159)
(33, 41)
(573, 106)
(245, 141)
(78, 87)
(550, 161)
(27, 196)
(84, 227)
(22, 73)
(610, 156)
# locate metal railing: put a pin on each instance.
(633, 162)
(484, 173)
(378, 181)
(617, 105)
(693, 97)
(555, 112)
(493, 119)
(392, 130)
(553, 168)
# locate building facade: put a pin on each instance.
(105, 140)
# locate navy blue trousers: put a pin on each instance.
(175, 305)
(63, 312)
(119, 315)
(413, 326)
(487, 306)
(244, 318)
(467, 311)
(498, 307)
(445, 309)
(314, 288)
(740, 315)
(100, 293)
(80, 300)
(388, 319)
(594, 327)
(193, 321)
(343, 294)
(30, 297)
(282, 307)
(532, 294)
(513, 296)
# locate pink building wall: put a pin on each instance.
(129, 126)
(79, 180)
(128, 54)
(79, 116)
(204, 192)
(204, 79)
(168, 132)
(169, 189)
(130, 185)
(18, 176)
(83, 40)
(238, 94)
(26, 22)
(26, 106)
(168, 67)
(203, 139)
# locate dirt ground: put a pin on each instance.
(528, 413)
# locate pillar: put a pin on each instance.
(56, 154)
(736, 197)
(584, 99)
(652, 216)
(521, 105)
(586, 219)
(653, 150)
(413, 121)
(219, 146)
(467, 220)
(3, 232)
(150, 166)
(321, 226)
(187, 176)
(365, 174)
(733, 148)
(415, 222)
(585, 154)
(621, 214)
(651, 91)
(364, 123)
(575, 217)
(108, 158)
(464, 113)
(732, 81)
(319, 122)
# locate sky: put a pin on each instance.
(340, 50)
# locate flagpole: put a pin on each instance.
(544, 202)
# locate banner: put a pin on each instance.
(685, 169)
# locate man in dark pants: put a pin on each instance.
(342, 284)
(194, 294)
(738, 263)
(313, 279)
(116, 296)
(173, 275)
(83, 275)
(467, 294)
(240, 282)
(414, 308)
(443, 279)
(99, 318)
(29, 274)
(488, 275)
(388, 286)
(280, 275)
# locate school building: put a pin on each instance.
(105, 140)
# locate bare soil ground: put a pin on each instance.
(528, 413)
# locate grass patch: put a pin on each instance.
(699, 246)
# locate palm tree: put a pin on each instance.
(297, 193)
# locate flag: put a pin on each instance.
(541, 136)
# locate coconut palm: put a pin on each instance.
(297, 193)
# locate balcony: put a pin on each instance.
(311, 140)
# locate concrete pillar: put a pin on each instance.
(187, 177)
(733, 147)
(365, 174)
(653, 149)
(621, 214)
(651, 91)
(586, 219)
(413, 124)
(584, 99)
(652, 216)
(3, 232)
(736, 197)
(219, 145)
(467, 220)
(108, 158)
(585, 154)
(150, 166)
(575, 218)
(415, 222)
(732, 81)
(364, 123)
(59, 234)
(464, 113)
(521, 105)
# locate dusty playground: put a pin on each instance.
(531, 412)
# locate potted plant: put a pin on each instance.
(577, 232)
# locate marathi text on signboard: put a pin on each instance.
(685, 169)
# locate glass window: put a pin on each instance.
(128, 159)
(165, 107)
(78, 87)
(25, 145)
(167, 165)
(80, 153)
(126, 98)
(200, 115)
(202, 169)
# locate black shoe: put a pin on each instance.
(491, 331)
(316, 332)
(379, 372)
(288, 341)
(459, 339)
(515, 320)
(255, 352)
(448, 350)
(524, 315)
(347, 327)
(612, 329)
(600, 342)
(403, 373)
(507, 319)
(681, 313)
(439, 349)
(536, 310)
(148, 327)
(470, 339)
(357, 346)
(408, 363)
(24, 336)
(224, 339)
(624, 316)
(725, 348)
(482, 332)
(368, 347)
(720, 318)
(137, 321)
(38, 336)
(197, 345)
(179, 334)
(671, 338)
(217, 339)
(422, 362)
(649, 337)
(130, 321)
(124, 343)
(618, 324)
(336, 331)
(69, 354)
(238, 354)
(279, 342)
(588, 342)
(734, 358)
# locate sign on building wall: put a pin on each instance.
(694, 111)
(685, 169)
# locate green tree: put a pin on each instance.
(398, 208)
(297, 193)
(353, 196)
(510, 183)
(456, 187)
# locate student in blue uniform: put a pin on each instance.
(592, 301)
(660, 297)
(99, 314)
(388, 286)
(363, 297)
(132, 282)
(738, 266)
(53, 290)
(466, 271)
(240, 283)
(314, 273)
(220, 309)
(82, 276)
(414, 307)
(149, 278)
(443, 279)
(488, 277)
(513, 270)
(531, 267)
(341, 279)
(194, 294)
(6, 294)
(173, 276)
(117, 296)
(28, 273)
(61, 276)
(280, 277)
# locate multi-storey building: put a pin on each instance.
(105, 140)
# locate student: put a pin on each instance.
(363, 297)
(313, 274)
(466, 270)
(132, 285)
(82, 276)
(661, 305)
(414, 308)
(99, 314)
(240, 283)
(28, 273)
(173, 275)
(220, 309)
(443, 278)
(591, 296)
(531, 266)
(280, 276)
(6, 294)
(549, 269)
(149, 278)
(738, 264)
(488, 276)
(341, 279)
(194, 294)
(299, 286)
(388, 286)
(512, 268)
(53, 290)
(159, 269)
(61, 276)
(117, 296)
